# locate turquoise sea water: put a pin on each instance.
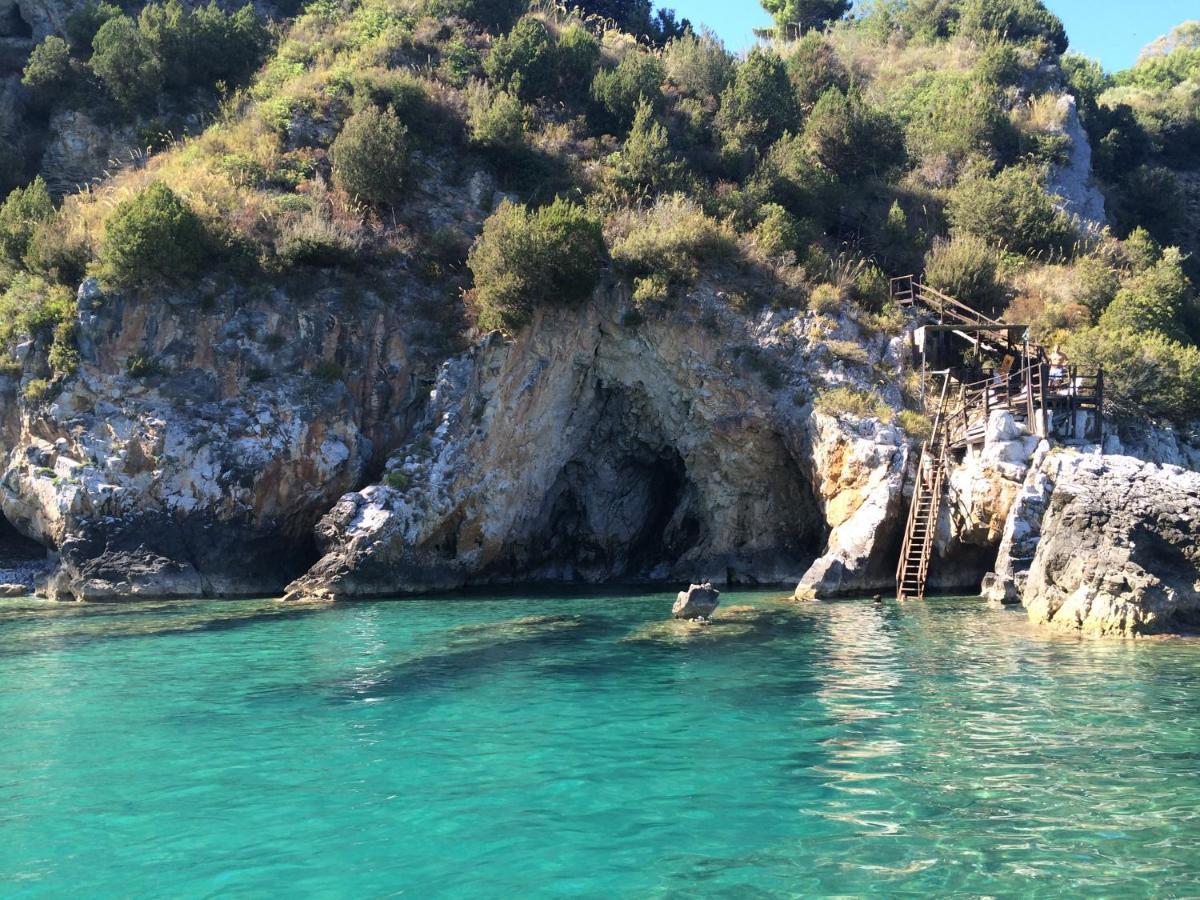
(576, 746)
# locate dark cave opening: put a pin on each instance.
(16, 547)
(12, 25)
(618, 515)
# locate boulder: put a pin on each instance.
(1118, 552)
(697, 602)
(13, 590)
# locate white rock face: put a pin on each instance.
(858, 479)
(198, 479)
(699, 601)
(1073, 182)
(1118, 552)
(591, 448)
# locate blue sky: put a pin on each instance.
(1113, 31)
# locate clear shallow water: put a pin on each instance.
(572, 746)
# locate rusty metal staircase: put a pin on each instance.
(921, 528)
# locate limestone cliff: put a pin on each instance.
(199, 442)
(1117, 552)
(601, 445)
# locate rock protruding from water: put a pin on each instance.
(1118, 551)
(13, 590)
(697, 602)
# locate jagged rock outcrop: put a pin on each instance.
(858, 480)
(980, 493)
(1118, 552)
(79, 149)
(1073, 181)
(199, 442)
(699, 601)
(598, 447)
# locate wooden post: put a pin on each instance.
(1043, 375)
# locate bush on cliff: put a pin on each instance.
(48, 71)
(153, 237)
(523, 61)
(130, 72)
(1013, 210)
(525, 258)
(965, 267)
(370, 156)
(673, 239)
(849, 401)
(619, 91)
(23, 210)
(1146, 374)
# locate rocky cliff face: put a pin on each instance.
(1117, 552)
(600, 446)
(199, 443)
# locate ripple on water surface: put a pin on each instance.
(583, 744)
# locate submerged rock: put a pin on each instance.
(697, 602)
(1118, 552)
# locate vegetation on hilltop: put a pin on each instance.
(918, 135)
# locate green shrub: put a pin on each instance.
(328, 371)
(1013, 210)
(778, 231)
(171, 46)
(30, 307)
(849, 138)
(619, 91)
(370, 156)
(576, 56)
(804, 15)
(64, 354)
(496, 119)
(1151, 197)
(646, 162)
(674, 237)
(953, 116)
(396, 479)
(48, 70)
(813, 68)
(1155, 300)
(651, 289)
(759, 105)
(84, 22)
(314, 240)
(916, 425)
(1012, 20)
(221, 46)
(495, 15)
(790, 176)
(459, 62)
(524, 258)
(1096, 284)
(825, 299)
(523, 61)
(23, 210)
(1141, 250)
(849, 401)
(55, 252)
(131, 73)
(1145, 374)
(141, 366)
(37, 390)
(153, 237)
(698, 65)
(965, 267)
